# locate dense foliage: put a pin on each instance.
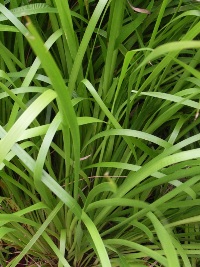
(99, 128)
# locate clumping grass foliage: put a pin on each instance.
(99, 133)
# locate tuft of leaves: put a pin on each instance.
(99, 128)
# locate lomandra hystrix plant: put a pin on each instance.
(99, 128)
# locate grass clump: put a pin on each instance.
(99, 128)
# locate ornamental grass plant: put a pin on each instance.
(99, 129)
